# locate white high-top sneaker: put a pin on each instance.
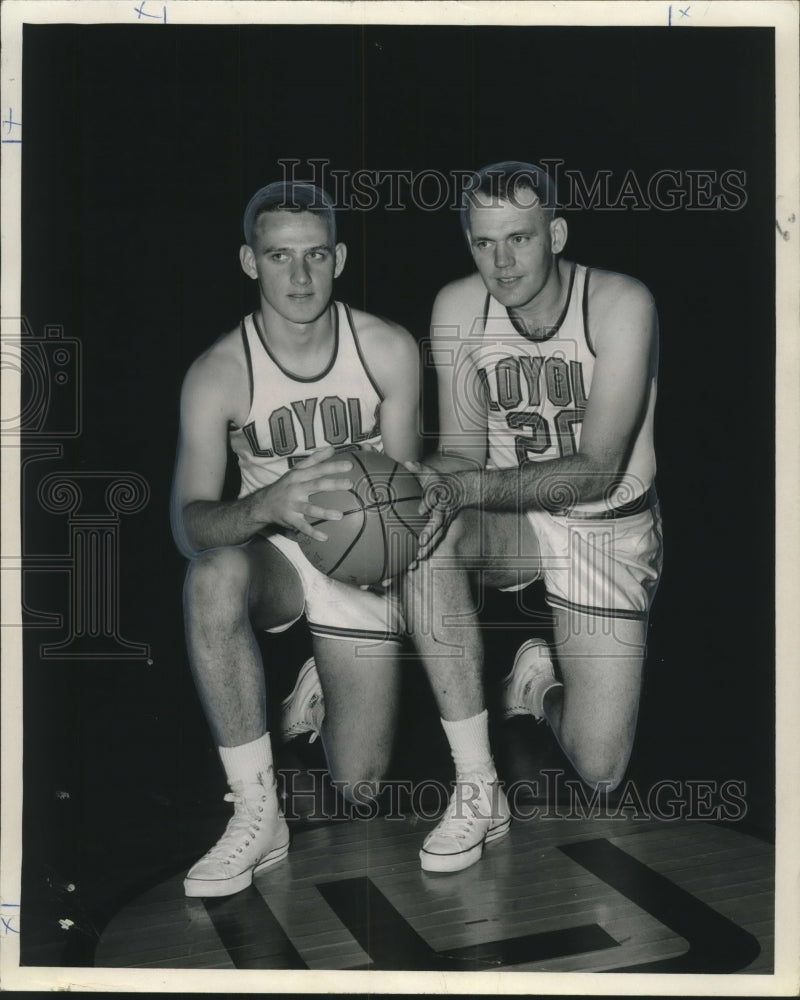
(530, 679)
(477, 814)
(255, 838)
(304, 706)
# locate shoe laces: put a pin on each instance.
(522, 694)
(306, 724)
(243, 825)
(525, 695)
(460, 816)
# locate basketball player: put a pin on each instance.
(547, 383)
(299, 376)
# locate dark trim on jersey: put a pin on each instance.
(352, 633)
(563, 316)
(583, 609)
(560, 321)
(589, 343)
(249, 359)
(291, 375)
(645, 501)
(360, 353)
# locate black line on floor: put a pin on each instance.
(716, 944)
(537, 947)
(250, 932)
(380, 930)
(392, 943)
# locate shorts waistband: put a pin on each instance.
(645, 501)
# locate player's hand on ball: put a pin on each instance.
(376, 538)
(286, 502)
(441, 501)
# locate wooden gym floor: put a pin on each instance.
(557, 894)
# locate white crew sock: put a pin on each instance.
(249, 763)
(469, 744)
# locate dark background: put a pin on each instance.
(142, 146)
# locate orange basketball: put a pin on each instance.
(376, 539)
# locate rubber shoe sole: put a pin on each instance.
(227, 887)
(463, 859)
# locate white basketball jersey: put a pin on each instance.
(536, 391)
(291, 416)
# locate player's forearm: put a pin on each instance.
(210, 524)
(549, 485)
(447, 462)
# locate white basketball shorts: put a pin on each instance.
(337, 610)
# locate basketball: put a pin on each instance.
(377, 536)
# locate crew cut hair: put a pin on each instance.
(507, 181)
(289, 196)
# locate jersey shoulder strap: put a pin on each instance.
(349, 343)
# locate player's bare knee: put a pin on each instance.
(359, 782)
(603, 781)
(604, 777)
(363, 791)
(358, 786)
(214, 573)
(599, 769)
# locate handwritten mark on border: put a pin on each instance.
(8, 124)
(141, 12)
(8, 921)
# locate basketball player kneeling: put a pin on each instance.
(547, 386)
(299, 375)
